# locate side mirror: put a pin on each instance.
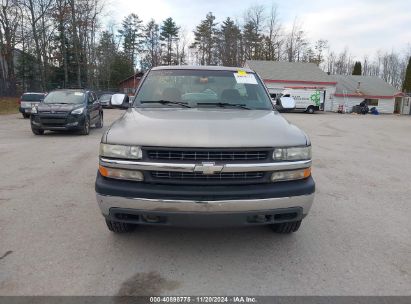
(286, 103)
(120, 101)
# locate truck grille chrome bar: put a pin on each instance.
(184, 167)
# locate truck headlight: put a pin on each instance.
(33, 110)
(121, 173)
(121, 151)
(292, 153)
(78, 111)
(280, 176)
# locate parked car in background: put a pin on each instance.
(203, 146)
(68, 109)
(28, 100)
(105, 99)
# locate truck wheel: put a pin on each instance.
(310, 110)
(37, 131)
(99, 123)
(288, 227)
(119, 227)
(26, 115)
(86, 127)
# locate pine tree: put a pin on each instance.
(169, 34)
(113, 65)
(357, 68)
(152, 46)
(205, 39)
(229, 37)
(406, 85)
(131, 33)
(252, 41)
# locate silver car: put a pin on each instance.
(203, 146)
(28, 101)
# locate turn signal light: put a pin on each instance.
(121, 173)
(290, 175)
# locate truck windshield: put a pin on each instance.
(203, 88)
(69, 97)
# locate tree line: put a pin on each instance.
(47, 44)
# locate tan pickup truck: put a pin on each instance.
(203, 146)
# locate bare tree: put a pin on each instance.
(9, 21)
(320, 46)
(274, 35)
(37, 11)
(295, 42)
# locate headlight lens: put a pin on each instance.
(280, 176)
(78, 111)
(121, 173)
(34, 110)
(293, 153)
(121, 151)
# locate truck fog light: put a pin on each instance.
(290, 175)
(121, 173)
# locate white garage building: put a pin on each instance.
(336, 90)
(353, 89)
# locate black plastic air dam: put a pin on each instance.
(128, 189)
(206, 220)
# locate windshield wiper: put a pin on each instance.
(166, 102)
(225, 104)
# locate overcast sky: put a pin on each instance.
(364, 26)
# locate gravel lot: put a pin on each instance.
(356, 241)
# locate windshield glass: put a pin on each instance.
(32, 97)
(71, 97)
(202, 88)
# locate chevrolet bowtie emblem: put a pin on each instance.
(208, 168)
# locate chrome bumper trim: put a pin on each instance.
(106, 202)
(150, 166)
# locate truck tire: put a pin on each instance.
(86, 128)
(119, 227)
(99, 123)
(288, 227)
(310, 110)
(25, 115)
(37, 131)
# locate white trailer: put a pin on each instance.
(308, 100)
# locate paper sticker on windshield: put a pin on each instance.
(78, 93)
(244, 77)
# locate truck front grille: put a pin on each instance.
(198, 177)
(207, 155)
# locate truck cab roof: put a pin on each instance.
(196, 67)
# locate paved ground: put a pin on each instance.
(357, 239)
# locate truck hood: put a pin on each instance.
(176, 127)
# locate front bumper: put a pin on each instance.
(185, 205)
(24, 110)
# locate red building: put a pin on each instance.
(129, 85)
